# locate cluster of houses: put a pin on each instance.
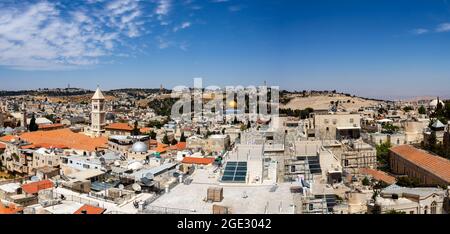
(93, 159)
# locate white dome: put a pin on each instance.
(434, 103)
(135, 166)
(139, 147)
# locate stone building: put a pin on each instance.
(427, 168)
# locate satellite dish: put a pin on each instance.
(121, 186)
(136, 187)
(102, 160)
(35, 179)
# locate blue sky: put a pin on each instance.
(383, 48)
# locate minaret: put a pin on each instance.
(1, 115)
(24, 115)
(98, 113)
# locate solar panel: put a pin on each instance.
(235, 172)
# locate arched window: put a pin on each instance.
(425, 210)
(433, 207)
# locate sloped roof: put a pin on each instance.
(438, 124)
(179, 146)
(98, 95)
(119, 126)
(378, 175)
(90, 210)
(65, 137)
(11, 209)
(434, 164)
(35, 187)
(200, 161)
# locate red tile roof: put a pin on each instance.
(44, 145)
(378, 175)
(146, 130)
(50, 126)
(119, 126)
(7, 138)
(200, 161)
(35, 187)
(90, 210)
(65, 137)
(178, 146)
(2, 146)
(11, 209)
(434, 164)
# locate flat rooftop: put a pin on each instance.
(258, 198)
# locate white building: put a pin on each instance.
(410, 200)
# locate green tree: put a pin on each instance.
(152, 135)
(235, 121)
(383, 155)
(407, 109)
(165, 139)
(182, 137)
(432, 142)
(422, 110)
(389, 128)
(243, 127)
(409, 182)
(33, 127)
(136, 131)
(365, 181)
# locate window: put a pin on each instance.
(433, 207)
(352, 120)
(311, 207)
(86, 166)
(425, 210)
(411, 212)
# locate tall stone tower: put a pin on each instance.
(98, 113)
(23, 122)
(1, 115)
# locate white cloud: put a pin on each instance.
(420, 31)
(163, 7)
(40, 37)
(184, 25)
(445, 27)
(235, 8)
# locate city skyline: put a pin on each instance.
(373, 49)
